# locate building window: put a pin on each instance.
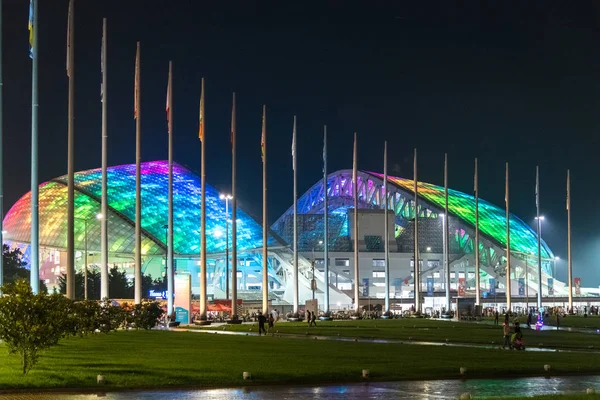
(378, 274)
(346, 271)
(378, 262)
(342, 262)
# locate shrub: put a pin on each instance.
(30, 323)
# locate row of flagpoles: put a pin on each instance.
(70, 69)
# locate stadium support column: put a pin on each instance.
(417, 273)
(539, 236)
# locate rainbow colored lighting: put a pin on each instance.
(121, 218)
(492, 219)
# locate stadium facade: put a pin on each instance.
(371, 192)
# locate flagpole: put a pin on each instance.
(325, 225)
(386, 228)
(70, 157)
(265, 277)
(539, 240)
(569, 261)
(138, 183)
(508, 282)
(355, 196)
(170, 269)
(35, 245)
(234, 316)
(203, 296)
(446, 240)
(1, 166)
(104, 212)
(477, 261)
(295, 271)
(417, 273)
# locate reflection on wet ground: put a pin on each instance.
(441, 389)
(392, 341)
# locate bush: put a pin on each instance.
(143, 316)
(30, 323)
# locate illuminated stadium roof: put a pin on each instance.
(121, 218)
(492, 219)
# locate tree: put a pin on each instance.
(31, 322)
(15, 267)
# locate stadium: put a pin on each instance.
(371, 192)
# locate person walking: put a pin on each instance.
(529, 319)
(261, 323)
(506, 328)
(496, 318)
(308, 317)
(271, 321)
(313, 319)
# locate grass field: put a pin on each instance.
(130, 359)
(428, 330)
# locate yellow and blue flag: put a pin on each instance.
(31, 26)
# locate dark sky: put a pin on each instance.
(504, 81)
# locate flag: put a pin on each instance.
(294, 146)
(31, 27)
(69, 38)
(168, 106)
(137, 82)
(201, 119)
(262, 138)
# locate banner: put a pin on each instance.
(430, 286)
(462, 287)
(492, 286)
(365, 287)
(183, 298)
(577, 286)
(550, 287)
(521, 286)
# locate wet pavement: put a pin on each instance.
(440, 389)
(387, 341)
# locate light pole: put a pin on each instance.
(85, 257)
(313, 283)
(226, 197)
(539, 220)
(166, 273)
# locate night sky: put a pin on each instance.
(506, 81)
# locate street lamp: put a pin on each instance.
(539, 219)
(226, 197)
(313, 283)
(85, 257)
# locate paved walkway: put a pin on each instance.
(367, 340)
(404, 390)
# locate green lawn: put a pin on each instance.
(160, 359)
(427, 330)
(559, 397)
